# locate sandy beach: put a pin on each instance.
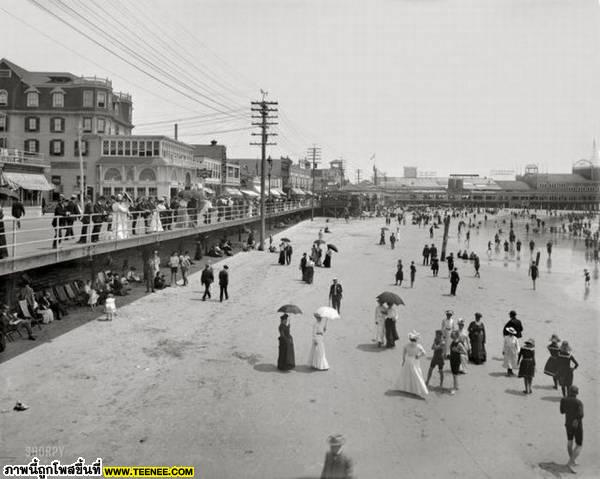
(174, 380)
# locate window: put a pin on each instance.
(118, 190)
(87, 125)
(128, 148)
(107, 191)
(152, 191)
(147, 175)
(101, 126)
(32, 146)
(130, 191)
(3, 98)
(116, 129)
(57, 125)
(141, 192)
(156, 148)
(33, 99)
(3, 123)
(113, 148)
(57, 147)
(130, 174)
(32, 123)
(112, 174)
(120, 148)
(105, 148)
(101, 99)
(84, 147)
(58, 99)
(134, 148)
(88, 98)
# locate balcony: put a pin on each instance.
(120, 96)
(19, 157)
(93, 81)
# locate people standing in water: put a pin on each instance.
(526, 361)
(286, 359)
(438, 358)
(551, 366)
(564, 370)
(477, 338)
(411, 377)
(399, 273)
(533, 272)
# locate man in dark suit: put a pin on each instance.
(454, 279)
(73, 212)
(85, 220)
(335, 295)
(224, 282)
(98, 218)
(58, 222)
(207, 279)
(17, 211)
(513, 322)
(288, 253)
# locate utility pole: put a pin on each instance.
(265, 110)
(315, 154)
(81, 176)
(358, 171)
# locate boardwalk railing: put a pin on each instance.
(30, 236)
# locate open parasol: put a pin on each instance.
(287, 240)
(290, 309)
(390, 298)
(332, 247)
(319, 241)
(325, 312)
(385, 228)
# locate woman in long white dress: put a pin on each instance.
(155, 222)
(317, 358)
(120, 214)
(411, 377)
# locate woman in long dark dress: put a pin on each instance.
(3, 250)
(286, 359)
(477, 338)
(282, 254)
(551, 366)
(327, 260)
(399, 273)
(564, 371)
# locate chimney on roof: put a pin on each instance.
(213, 142)
(176, 131)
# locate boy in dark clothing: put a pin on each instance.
(572, 408)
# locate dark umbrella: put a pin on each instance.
(333, 247)
(319, 241)
(290, 309)
(385, 228)
(287, 240)
(389, 298)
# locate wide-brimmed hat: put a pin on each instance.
(530, 342)
(554, 338)
(413, 335)
(336, 440)
(478, 315)
(512, 331)
(461, 321)
(450, 312)
(565, 346)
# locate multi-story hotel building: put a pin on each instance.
(41, 113)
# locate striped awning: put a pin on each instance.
(27, 181)
(298, 191)
(275, 192)
(250, 193)
(228, 191)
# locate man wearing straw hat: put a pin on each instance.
(448, 325)
(337, 464)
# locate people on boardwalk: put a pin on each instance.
(317, 359)
(526, 362)
(174, 264)
(411, 377)
(477, 338)
(572, 408)
(437, 360)
(564, 372)
(425, 255)
(286, 359)
(303, 263)
(510, 351)
(337, 465)
(310, 271)
(435, 266)
(335, 295)
(120, 215)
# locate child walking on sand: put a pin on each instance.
(438, 357)
(110, 308)
(526, 362)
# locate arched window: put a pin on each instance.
(58, 99)
(112, 174)
(147, 175)
(33, 99)
(129, 175)
(3, 98)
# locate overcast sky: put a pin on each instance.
(456, 86)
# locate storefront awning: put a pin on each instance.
(298, 191)
(27, 181)
(275, 192)
(206, 189)
(250, 193)
(228, 191)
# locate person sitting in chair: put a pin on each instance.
(159, 281)
(10, 321)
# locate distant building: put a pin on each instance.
(410, 172)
